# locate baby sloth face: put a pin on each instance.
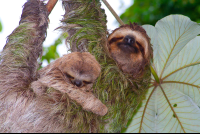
(81, 69)
(129, 46)
(72, 74)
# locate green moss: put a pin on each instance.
(120, 92)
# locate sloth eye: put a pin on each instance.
(69, 76)
(138, 43)
(141, 47)
(115, 39)
(87, 82)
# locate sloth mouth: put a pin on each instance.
(128, 47)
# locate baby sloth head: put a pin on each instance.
(81, 69)
(129, 46)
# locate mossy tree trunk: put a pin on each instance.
(85, 22)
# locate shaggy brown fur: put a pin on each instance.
(130, 47)
(38, 107)
(73, 74)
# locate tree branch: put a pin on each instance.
(113, 12)
(50, 5)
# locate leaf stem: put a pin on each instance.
(154, 74)
(172, 108)
(189, 65)
(146, 108)
(50, 5)
(113, 12)
(184, 83)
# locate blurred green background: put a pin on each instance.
(150, 11)
(0, 26)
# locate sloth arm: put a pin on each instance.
(86, 99)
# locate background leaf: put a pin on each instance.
(173, 104)
(150, 11)
(1, 26)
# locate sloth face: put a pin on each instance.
(81, 69)
(129, 46)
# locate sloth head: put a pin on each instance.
(129, 46)
(81, 69)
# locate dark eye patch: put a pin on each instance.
(86, 82)
(115, 39)
(141, 48)
(69, 76)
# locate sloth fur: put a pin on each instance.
(129, 45)
(44, 101)
(26, 108)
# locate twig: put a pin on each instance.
(113, 12)
(50, 5)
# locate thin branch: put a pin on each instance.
(113, 12)
(50, 5)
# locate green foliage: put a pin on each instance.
(1, 26)
(50, 53)
(150, 11)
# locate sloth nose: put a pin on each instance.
(78, 83)
(129, 39)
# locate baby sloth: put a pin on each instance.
(129, 45)
(73, 74)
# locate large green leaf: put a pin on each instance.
(172, 102)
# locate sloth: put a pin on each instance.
(43, 107)
(129, 45)
(73, 74)
(59, 97)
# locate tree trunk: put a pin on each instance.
(85, 22)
